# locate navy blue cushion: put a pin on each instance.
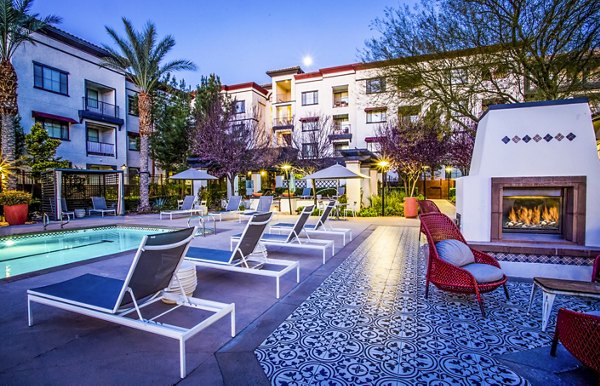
(216, 255)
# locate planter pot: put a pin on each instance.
(16, 214)
(411, 207)
(79, 213)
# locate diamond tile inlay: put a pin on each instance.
(548, 137)
(537, 138)
(571, 136)
(369, 323)
(559, 137)
(526, 139)
(506, 140)
(516, 139)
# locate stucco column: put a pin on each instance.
(353, 185)
(256, 182)
(374, 174)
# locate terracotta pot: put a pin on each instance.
(16, 214)
(411, 208)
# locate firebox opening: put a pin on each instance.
(532, 211)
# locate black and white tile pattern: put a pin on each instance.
(369, 323)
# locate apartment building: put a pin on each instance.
(90, 108)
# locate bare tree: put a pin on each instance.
(312, 142)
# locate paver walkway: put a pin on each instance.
(368, 323)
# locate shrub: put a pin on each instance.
(394, 205)
(14, 197)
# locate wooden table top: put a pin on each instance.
(583, 287)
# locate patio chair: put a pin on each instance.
(428, 206)
(306, 193)
(454, 266)
(320, 227)
(233, 206)
(124, 302)
(99, 205)
(243, 258)
(293, 239)
(187, 207)
(65, 211)
(339, 192)
(579, 333)
(264, 206)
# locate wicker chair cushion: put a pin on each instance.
(455, 252)
(595, 313)
(484, 273)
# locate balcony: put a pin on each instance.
(340, 103)
(341, 132)
(283, 123)
(101, 148)
(100, 111)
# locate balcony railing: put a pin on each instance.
(283, 121)
(340, 103)
(101, 148)
(341, 128)
(101, 108)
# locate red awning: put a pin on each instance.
(37, 114)
(372, 139)
(309, 119)
(383, 108)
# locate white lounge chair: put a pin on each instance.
(321, 226)
(242, 258)
(99, 205)
(187, 207)
(264, 206)
(65, 211)
(293, 239)
(154, 267)
(233, 207)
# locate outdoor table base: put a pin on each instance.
(202, 220)
(552, 287)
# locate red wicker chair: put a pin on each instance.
(580, 334)
(446, 276)
(428, 206)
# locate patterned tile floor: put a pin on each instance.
(369, 323)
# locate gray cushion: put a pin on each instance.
(484, 273)
(595, 313)
(455, 252)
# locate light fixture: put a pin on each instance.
(263, 173)
(383, 164)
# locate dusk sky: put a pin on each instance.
(237, 40)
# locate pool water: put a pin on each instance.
(21, 254)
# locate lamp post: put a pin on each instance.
(287, 168)
(383, 164)
(425, 181)
(448, 175)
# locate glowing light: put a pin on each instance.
(383, 163)
(307, 60)
(9, 243)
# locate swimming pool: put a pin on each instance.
(21, 254)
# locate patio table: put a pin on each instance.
(552, 287)
(202, 220)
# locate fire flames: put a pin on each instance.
(533, 216)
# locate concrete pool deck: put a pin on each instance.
(64, 348)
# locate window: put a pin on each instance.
(310, 125)
(132, 105)
(310, 98)
(92, 98)
(376, 116)
(409, 114)
(239, 107)
(133, 141)
(458, 76)
(93, 135)
(55, 129)
(340, 99)
(309, 150)
(375, 85)
(50, 79)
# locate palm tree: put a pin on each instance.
(140, 55)
(17, 25)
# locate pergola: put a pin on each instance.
(77, 186)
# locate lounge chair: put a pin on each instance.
(65, 211)
(264, 206)
(321, 226)
(306, 193)
(293, 239)
(99, 205)
(242, 259)
(187, 207)
(233, 206)
(154, 267)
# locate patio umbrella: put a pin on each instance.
(335, 172)
(193, 175)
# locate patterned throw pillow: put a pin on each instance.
(455, 252)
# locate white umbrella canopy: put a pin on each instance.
(334, 172)
(193, 174)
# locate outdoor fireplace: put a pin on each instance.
(532, 211)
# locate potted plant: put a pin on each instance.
(16, 206)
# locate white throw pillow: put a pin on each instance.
(455, 252)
